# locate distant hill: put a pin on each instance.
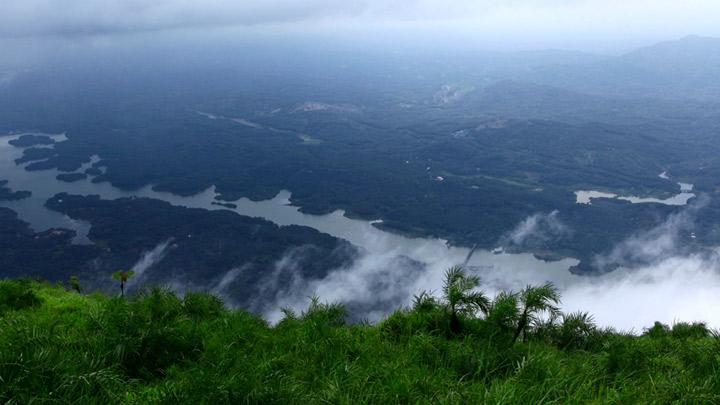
(691, 54)
(685, 68)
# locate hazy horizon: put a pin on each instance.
(420, 113)
(606, 27)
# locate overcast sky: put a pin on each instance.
(514, 23)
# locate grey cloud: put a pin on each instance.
(487, 17)
(660, 280)
(147, 261)
(72, 17)
(371, 287)
(656, 244)
(678, 288)
(226, 280)
(535, 230)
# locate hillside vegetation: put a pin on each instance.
(58, 345)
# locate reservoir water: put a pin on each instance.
(682, 198)
(607, 297)
(434, 252)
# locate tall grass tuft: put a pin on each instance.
(155, 347)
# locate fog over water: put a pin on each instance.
(671, 285)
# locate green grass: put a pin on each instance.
(155, 347)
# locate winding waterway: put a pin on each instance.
(431, 251)
(608, 296)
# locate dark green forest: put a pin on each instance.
(201, 245)
(511, 135)
(60, 344)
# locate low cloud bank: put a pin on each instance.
(536, 230)
(543, 21)
(372, 287)
(659, 243)
(682, 288)
(659, 278)
(147, 261)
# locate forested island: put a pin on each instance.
(71, 177)
(199, 247)
(49, 254)
(8, 195)
(60, 344)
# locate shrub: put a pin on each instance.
(575, 330)
(202, 306)
(17, 294)
(657, 331)
(154, 347)
(504, 313)
(695, 330)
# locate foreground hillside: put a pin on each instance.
(60, 345)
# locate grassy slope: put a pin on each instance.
(160, 348)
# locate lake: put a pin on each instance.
(435, 253)
(607, 296)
